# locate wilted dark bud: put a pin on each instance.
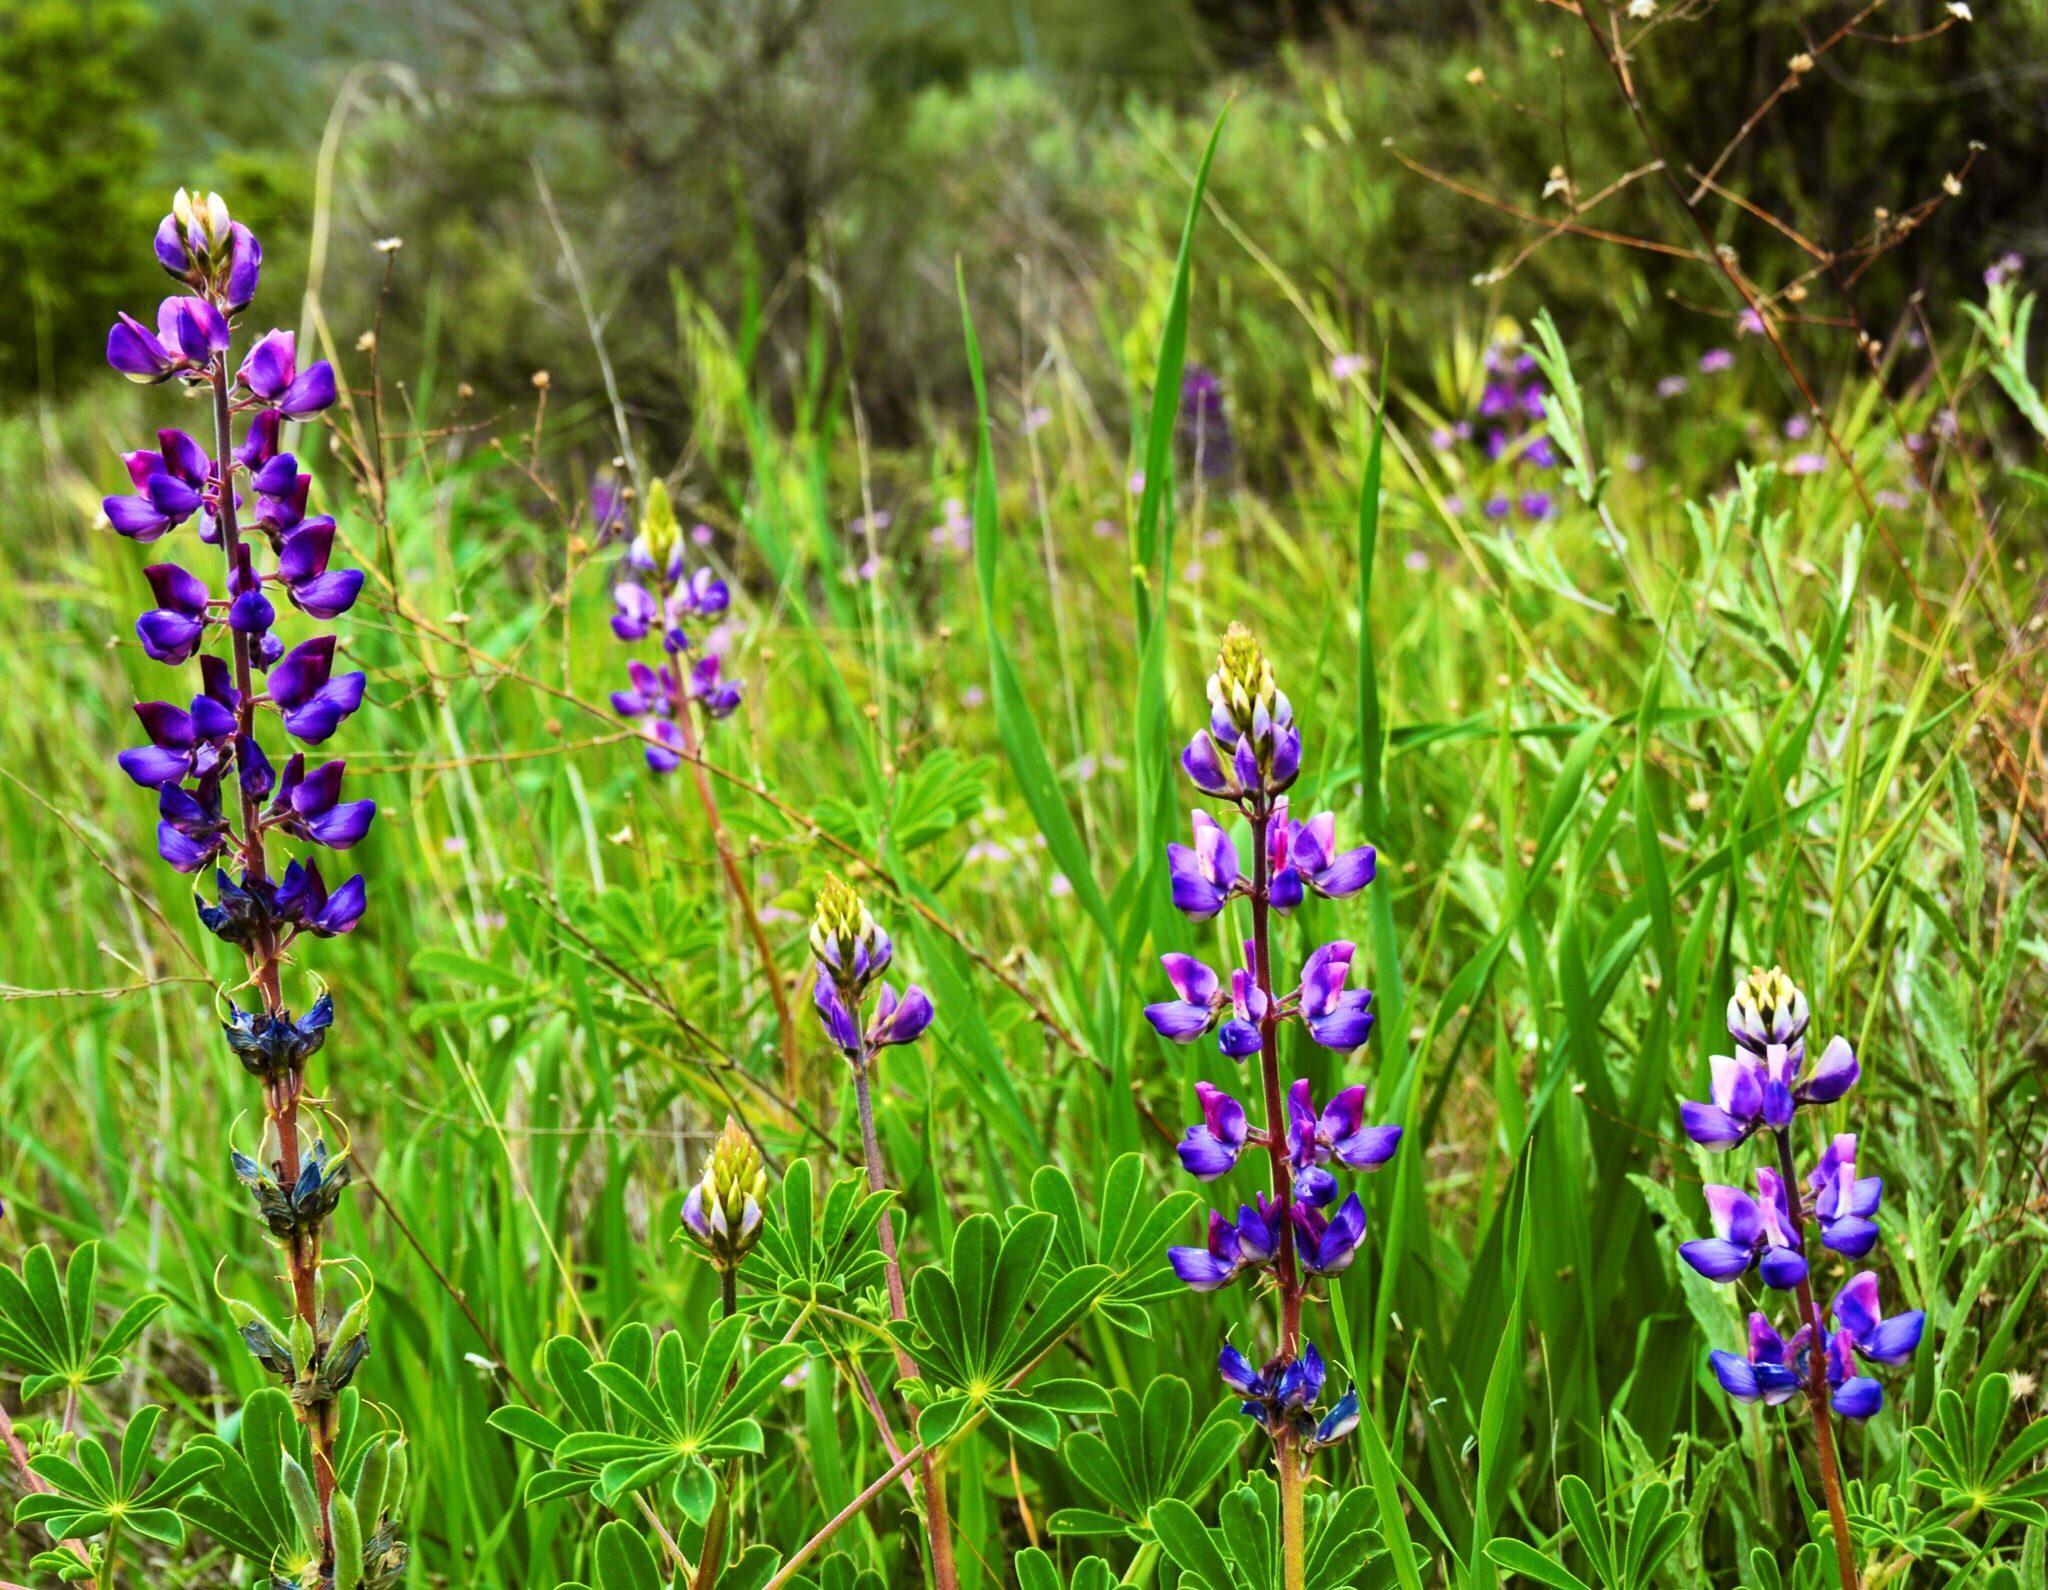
(309, 1200)
(269, 1046)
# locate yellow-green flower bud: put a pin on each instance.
(851, 949)
(1243, 682)
(722, 1213)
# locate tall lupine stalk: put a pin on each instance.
(279, 551)
(852, 952)
(1250, 755)
(1759, 1092)
(722, 1217)
(658, 595)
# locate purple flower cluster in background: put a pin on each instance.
(658, 596)
(1760, 1089)
(251, 501)
(1249, 755)
(1201, 426)
(1507, 427)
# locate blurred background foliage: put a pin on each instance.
(824, 161)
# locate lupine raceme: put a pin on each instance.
(1759, 1092)
(851, 952)
(227, 804)
(658, 597)
(1249, 756)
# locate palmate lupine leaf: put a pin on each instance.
(1037, 1571)
(673, 1415)
(243, 1503)
(91, 1494)
(1972, 1467)
(813, 1254)
(624, 1561)
(567, 1364)
(971, 1334)
(1630, 1563)
(48, 1327)
(1344, 1549)
(1144, 1456)
(1130, 1242)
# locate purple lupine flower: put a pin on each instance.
(1339, 1133)
(1337, 1017)
(1326, 1244)
(1749, 1233)
(189, 332)
(1300, 1384)
(1304, 857)
(191, 829)
(182, 744)
(270, 371)
(1210, 1149)
(315, 589)
(899, 1021)
(1844, 1203)
(1341, 1420)
(1243, 1034)
(1232, 1248)
(1205, 877)
(172, 630)
(637, 611)
(718, 698)
(313, 699)
(1251, 750)
(303, 900)
(1201, 1003)
(308, 806)
(1238, 1374)
(1853, 1396)
(1772, 1372)
(1881, 1341)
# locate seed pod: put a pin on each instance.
(298, 1490)
(348, 1543)
(369, 1496)
(394, 1478)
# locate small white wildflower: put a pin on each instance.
(1959, 11)
(1642, 10)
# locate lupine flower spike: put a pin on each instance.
(851, 952)
(1759, 1091)
(1247, 757)
(226, 805)
(658, 595)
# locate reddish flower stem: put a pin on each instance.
(1817, 1376)
(938, 1521)
(280, 1095)
(1285, 1272)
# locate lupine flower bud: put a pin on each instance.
(1243, 682)
(851, 948)
(722, 1213)
(660, 538)
(1767, 1009)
